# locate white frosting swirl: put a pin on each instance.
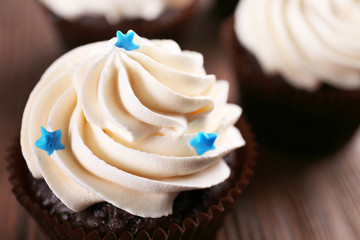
(113, 10)
(126, 119)
(306, 41)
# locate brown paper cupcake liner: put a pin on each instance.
(90, 28)
(202, 225)
(291, 119)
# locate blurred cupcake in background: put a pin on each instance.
(298, 65)
(80, 22)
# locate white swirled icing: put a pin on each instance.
(126, 119)
(309, 42)
(113, 10)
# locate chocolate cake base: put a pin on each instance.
(284, 117)
(196, 214)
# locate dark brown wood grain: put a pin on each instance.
(289, 198)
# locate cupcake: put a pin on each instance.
(83, 21)
(298, 65)
(130, 139)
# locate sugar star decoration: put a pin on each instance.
(203, 142)
(126, 41)
(49, 141)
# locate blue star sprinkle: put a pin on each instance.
(49, 141)
(126, 41)
(203, 142)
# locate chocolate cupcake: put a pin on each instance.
(130, 139)
(298, 65)
(81, 22)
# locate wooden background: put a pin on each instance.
(289, 197)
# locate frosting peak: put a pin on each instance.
(127, 119)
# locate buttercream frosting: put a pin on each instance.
(113, 10)
(308, 42)
(127, 118)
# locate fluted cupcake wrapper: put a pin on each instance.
(202, 226)
(293, 120)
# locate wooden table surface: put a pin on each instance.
(289, 197)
